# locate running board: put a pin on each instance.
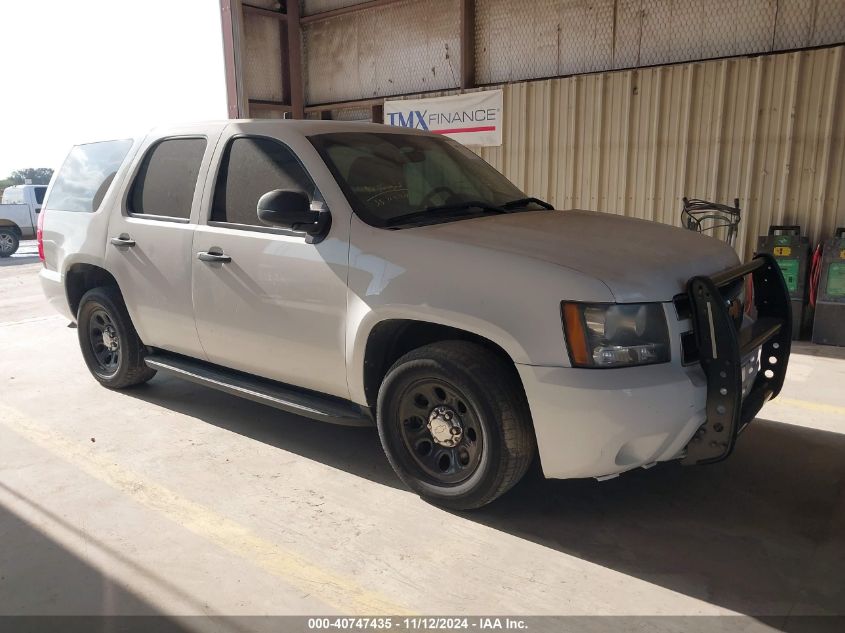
(285, 397)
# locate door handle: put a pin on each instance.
(122, 240)
(207, 256)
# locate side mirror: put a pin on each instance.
(291, 209)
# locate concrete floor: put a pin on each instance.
(175, 499)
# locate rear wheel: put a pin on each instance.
(455, 425)
(108, 340)
(9, 243)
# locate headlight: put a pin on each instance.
(616, 334)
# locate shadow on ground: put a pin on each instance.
(758, 533)
(27, 254)
(41, 577)
(805, 348)
(18, 260)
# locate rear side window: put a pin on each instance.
(251, 167)
(86, 174)
(167, 178)
(39, 194)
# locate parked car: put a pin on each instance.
(19, 210)
(363, 274)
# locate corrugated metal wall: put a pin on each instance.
(767, 130)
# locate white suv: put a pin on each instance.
(358, 274)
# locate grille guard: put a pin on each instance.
(722, 349)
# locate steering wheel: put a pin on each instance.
(426, 201)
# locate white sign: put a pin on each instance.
(474, 118)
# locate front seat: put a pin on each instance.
(372, 178)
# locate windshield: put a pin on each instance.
(385, 176)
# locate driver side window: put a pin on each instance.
(252, 166)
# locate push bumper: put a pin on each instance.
(595, 423)
(722, 347)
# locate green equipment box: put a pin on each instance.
(791, 250)
(829, 322)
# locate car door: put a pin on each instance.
(150, 240)
(273, 304)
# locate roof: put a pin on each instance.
(306, 127)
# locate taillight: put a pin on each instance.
(39, 233)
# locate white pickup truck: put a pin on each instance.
(358, 273)
(19, 211)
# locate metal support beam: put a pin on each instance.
(467, 35)
(261, 104)
(267, 13)
(343, 105)
(285, 66)
(228, 25)
(325, 15)
(297, 89)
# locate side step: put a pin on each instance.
(285, 397)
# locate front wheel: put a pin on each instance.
(110, 345)
(9, 243)
(454, 424)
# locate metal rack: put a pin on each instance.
(713, 218)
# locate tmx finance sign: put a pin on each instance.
(471, 119)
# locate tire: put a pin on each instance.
(9, 243)
(108, 340)
(459, 400)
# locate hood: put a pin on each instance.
(638, 260)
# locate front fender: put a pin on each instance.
(362, 319)
(510, 299)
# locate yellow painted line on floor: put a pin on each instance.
(54, 317)
(811, 406)
(333, 588)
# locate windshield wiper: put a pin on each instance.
(521, 202)
(444, 210)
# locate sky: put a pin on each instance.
(82, 70)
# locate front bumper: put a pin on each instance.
(595, 423)
(599, 422)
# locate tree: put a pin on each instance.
(38, 175)
(5, 182)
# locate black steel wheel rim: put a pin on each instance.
(105, 342)
(425, 408)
